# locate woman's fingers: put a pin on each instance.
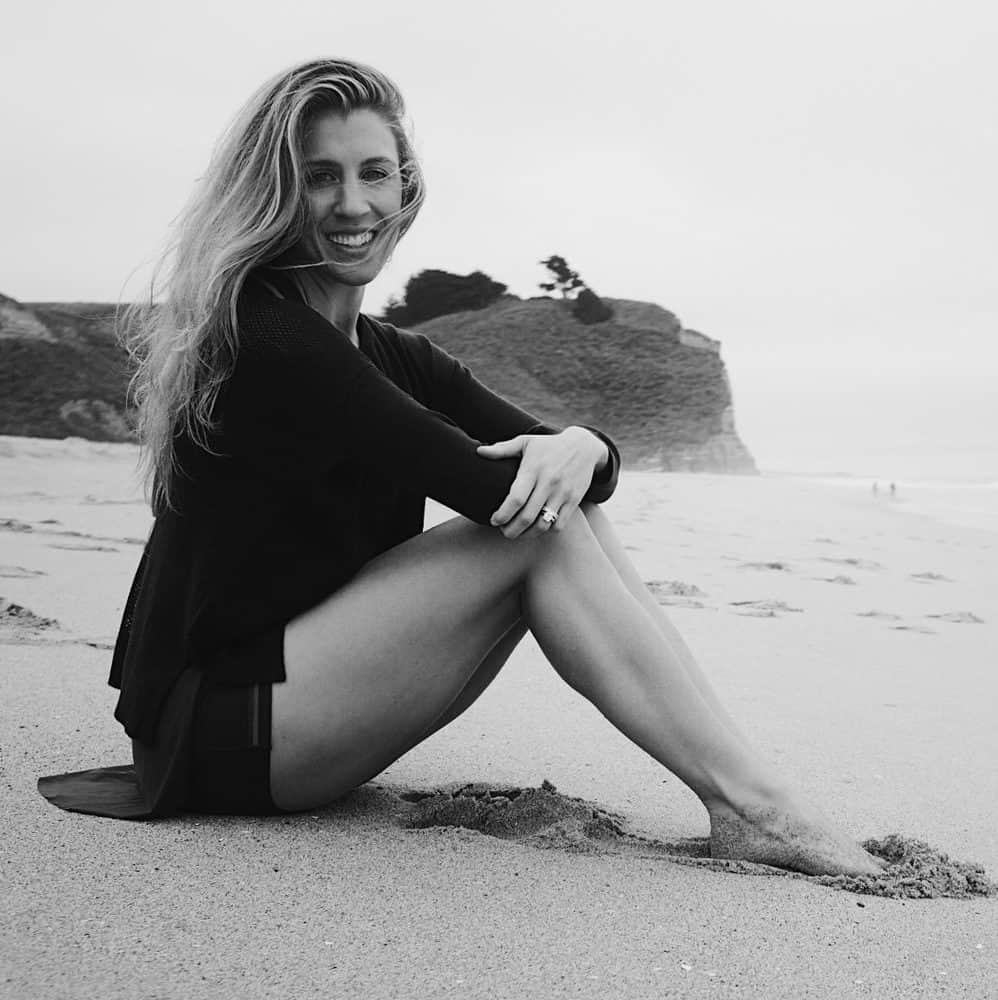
(503, 449)
(522, 505)
(530, 520)
(554, 472)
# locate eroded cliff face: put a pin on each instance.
(62, 373)
(722, 451)
(709, 443)
(659, 389)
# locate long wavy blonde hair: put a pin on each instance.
(248, 210)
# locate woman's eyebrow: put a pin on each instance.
(327, 161)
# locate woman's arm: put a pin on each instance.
(303, 399)
(493, 419)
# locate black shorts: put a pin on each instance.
(230, 751)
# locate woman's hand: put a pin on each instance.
(555, 472)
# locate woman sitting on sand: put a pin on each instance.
(291, 630)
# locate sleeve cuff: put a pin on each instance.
(604, 482)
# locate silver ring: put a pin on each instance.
(548, 516)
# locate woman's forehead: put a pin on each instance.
(360, 134)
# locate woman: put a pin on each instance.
(291, 629)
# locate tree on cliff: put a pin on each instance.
(440, 293)
(587, 306)
(564, 279)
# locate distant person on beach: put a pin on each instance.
(292, 630)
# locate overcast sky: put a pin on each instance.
(811, 184)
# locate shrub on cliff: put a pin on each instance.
(590, 308)
(439, 293)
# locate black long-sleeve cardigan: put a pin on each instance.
(323, 459)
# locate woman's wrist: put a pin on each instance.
(602, 453)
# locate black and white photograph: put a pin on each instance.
(499, 501)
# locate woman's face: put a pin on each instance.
(353, 185)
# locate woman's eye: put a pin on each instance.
(323, 178)
(320, 177)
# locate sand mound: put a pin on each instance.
(16, 616)
(543, 817)
(673, 588)
(916, 870)
(676, 593)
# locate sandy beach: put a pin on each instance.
(854, 636)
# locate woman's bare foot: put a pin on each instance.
(786, 833)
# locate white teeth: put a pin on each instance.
(350, 239)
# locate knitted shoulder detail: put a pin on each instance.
(269, 325)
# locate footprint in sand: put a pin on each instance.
(19, 572)
(91, 500)
(856, 563)
(930, 577)
(12, 524)
(544, 818)
(835, 579)
(921, 629)
(959, 617)
(827, 541)
(762, 609)
(82, 547)
(97, 642)
(676, 593)
(883, 615)
(780, 566)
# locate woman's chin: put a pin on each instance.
(356, 277)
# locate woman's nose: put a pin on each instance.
(352, 199)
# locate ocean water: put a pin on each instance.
(965, 504)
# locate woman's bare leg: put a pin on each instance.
(617, 554)
(624, 666)
(372, 669)
(480, 679)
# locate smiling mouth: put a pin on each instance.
(350, 239)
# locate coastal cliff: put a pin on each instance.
(659, 389)
(61, 371)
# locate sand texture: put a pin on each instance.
(529, 850)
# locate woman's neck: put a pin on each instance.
(340, 304)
